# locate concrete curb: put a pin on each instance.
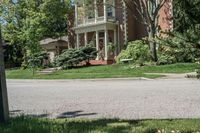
(65, 80)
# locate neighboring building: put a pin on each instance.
(55, 46)
(113, 22)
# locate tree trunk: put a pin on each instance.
(4, 111)
(152, 45)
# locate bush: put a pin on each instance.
(89, 53)
(73, 57)
(166, 59)
(69, 58)
(138, 51)
(177, 48)
(36, 60)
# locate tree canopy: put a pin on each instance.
(186, 14)
(25, 22)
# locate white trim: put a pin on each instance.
(95, 27)
(77, 41)
(95, 10)
(86, 38)
(84, 9)
(105, 10)
(115, 41)
(76, 14)
(97, 44)
(106, 44)
(114, 8)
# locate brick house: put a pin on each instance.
(111, 23)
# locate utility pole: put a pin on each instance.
(4, 110)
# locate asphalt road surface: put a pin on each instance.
(125, 99)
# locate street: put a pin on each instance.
(116, 98)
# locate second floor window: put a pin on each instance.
(109, 11)
(110, 8)
(89, 10)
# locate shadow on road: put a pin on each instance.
(74, 114)
(70, 114)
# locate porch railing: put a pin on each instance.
(82, 22)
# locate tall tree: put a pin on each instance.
(28, 22)
(187, 20)
(149, 12)
(4, 111)
(186, 15)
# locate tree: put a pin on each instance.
(4, 111)
(149, 12)
(25, 23)
(187, 20)
(186, 15)
(36, 60)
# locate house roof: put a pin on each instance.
(52, 40)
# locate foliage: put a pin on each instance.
(89, 53)
(111, 47)
(187, 23)
(55, 20)
(166, 59)
(138, 51)
(13, 55)
(186, 15)
(73, 57)
(149, 16)
(183, 45)
(178, 48)
(36, 60)
(69, 58)
(25, 23)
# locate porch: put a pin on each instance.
(95, 24)
(102, 36)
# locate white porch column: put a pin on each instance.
(97, 44)
(105, 9)
(106, 43)
(76, 14)
(115, 41)
(95, 10)
(86, 38)
(77, 41)
(114, 7)
(84, 9)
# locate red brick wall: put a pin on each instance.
(165, 21)
(119, 18)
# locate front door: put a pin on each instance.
(101, 48)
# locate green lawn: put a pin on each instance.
(33, 125)
(110, 71)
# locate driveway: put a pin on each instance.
(125, 99)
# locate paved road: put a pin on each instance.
(126, 99)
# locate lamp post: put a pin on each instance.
(4, 111)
